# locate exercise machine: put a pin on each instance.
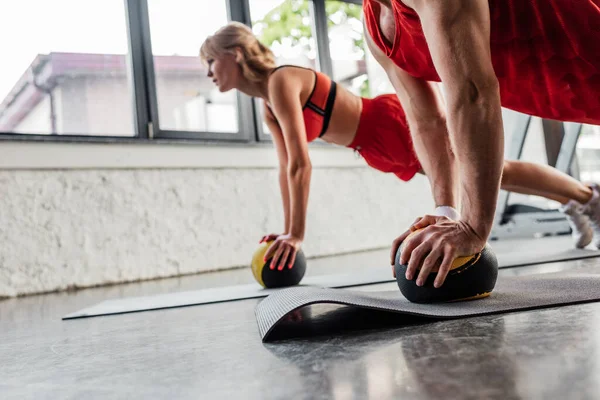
(526, 220)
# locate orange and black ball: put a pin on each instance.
(273, 278)
(470, 277)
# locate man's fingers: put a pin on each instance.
(448, 258)
(409, 245)
(429, 263)
(425, 222)
(395, 245)
(416, 259)
(398, 241)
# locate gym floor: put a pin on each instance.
(214, 351)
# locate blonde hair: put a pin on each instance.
(257, 59)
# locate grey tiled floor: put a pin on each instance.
(214, 351)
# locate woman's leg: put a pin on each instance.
(543, 180)
(521, 190)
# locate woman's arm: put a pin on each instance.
(284, 95)
(277, 136)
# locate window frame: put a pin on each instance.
(323, 62)
(143, 92)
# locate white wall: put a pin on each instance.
(78, 215)
(107, 107)
(136, 216)
(37, 120)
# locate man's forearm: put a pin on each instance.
(434, 151)
(476, 125)
(458, 35)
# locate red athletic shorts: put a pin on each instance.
(383, 138)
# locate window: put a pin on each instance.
(72, 73)
(588, 153)
(543, 144)
(187, 100)
(353, 65)
(347, 46)
(65, 68)
(286, 28)
(534, 150)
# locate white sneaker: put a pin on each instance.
(592, 210)
(581, 231)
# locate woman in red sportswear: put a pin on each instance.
(302, 105)
(538, 57)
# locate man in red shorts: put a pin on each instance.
(538, 57)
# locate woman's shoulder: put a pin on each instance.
(288, 79)
(291, 74)
(291, 68)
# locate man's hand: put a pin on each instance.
(438, 243)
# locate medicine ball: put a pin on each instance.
(273, 278)
(470, 277)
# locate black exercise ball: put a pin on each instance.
(470, 277)
(273, 278)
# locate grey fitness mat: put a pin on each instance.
(510, 254)
(528, 292)
(221, 294)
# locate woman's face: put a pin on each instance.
(225, 72)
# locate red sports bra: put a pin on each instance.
(545, 53)
(319, 105)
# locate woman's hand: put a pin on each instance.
(270, 237)
(283, 251)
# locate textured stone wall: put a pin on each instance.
(77, 228)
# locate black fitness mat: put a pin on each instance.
(509, 254)
(528, 292)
